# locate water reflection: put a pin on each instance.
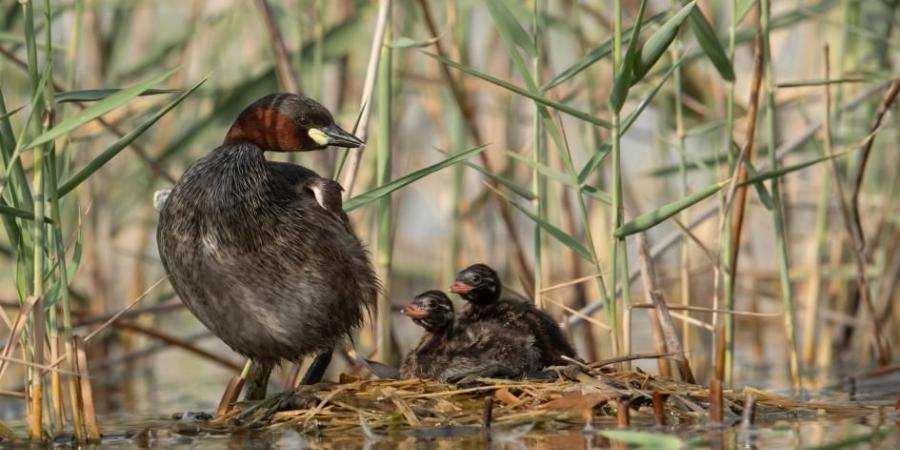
(877, 430)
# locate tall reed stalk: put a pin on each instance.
(684, 262)
(781, 245)
(538, 183)
(615, 186)
(383, 215)
(727, 329)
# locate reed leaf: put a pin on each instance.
(510, 184)
(631, 117)
(709, 42)
(93, 95)
(509, 26)
(592, 164)
(120, 144)
(545, 170)
(560, 235)
(20, 213)
(659, 41)
(623, 79)
(6, 115)
(398, 183)
(523, 92)
(649, 220)
(596, 54)
(100, 108)
(595, 193)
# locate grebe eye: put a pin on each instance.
(476, 278)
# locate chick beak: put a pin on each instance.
(340, 138)
(414, 312)
(458, 287)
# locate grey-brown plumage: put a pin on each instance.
(261, 252)
(450, 351)
(480, 285)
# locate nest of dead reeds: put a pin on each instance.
(572, 400)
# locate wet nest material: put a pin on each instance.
(573, 399)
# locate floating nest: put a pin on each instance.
(573, 399)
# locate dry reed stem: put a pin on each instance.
(709, 310)
(12, 394)
(486, 419)
(133, 312)
(463, 102)
(124, 310)
(623, 418)
(589, 319)
(667, 327)
(72, 384)
(86, 393)
(737, 196)
(287, 76)
(569, 283)
(43, 367)
(715, 400)
(232, 391)
(16, 331)
(56, 394)
(36, 393)
(882, 354)
(659, 409)
(381, 23)
(180, 343)
(749, 414)
(866, 149)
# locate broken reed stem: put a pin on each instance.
(715, 400)
(659, 409)
(56, 394)
(814, 287)
(36, 392)
(623, 415)
(486, 418)
(462, 100)
(73, 387)
(749, 414)
(667, 326)
(85, 393)
(882, 354)
(232, 391)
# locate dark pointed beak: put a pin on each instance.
(414, 312)
(340, 138)
(458, 287)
